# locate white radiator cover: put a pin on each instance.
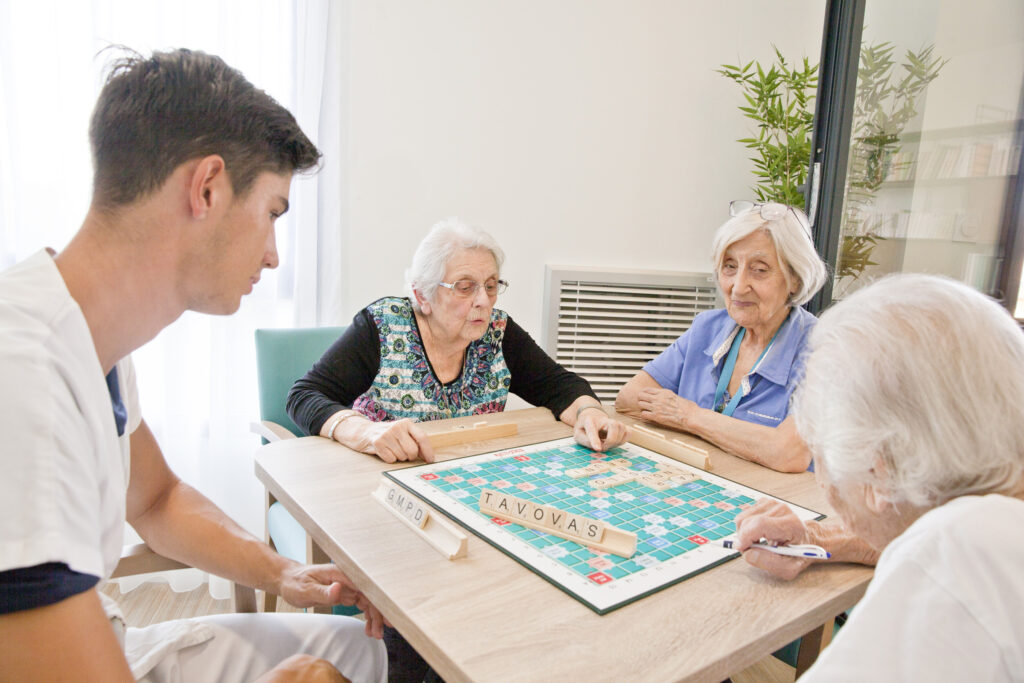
(605, 324)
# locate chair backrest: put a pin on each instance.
(283, 356)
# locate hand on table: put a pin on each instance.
(665, 407)
(398, 441)
(595, 430)
(775, 522)
(325, 584)
(304, 669)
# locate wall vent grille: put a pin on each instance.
(605, 324)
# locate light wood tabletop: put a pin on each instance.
(484, 617)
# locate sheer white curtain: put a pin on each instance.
(197, 378)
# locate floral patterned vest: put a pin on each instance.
(405, 385)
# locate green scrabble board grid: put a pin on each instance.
(678, 529)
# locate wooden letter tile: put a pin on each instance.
(556, 518)
(488, 498)
(573, 525)
(593, 530)
(521, 509)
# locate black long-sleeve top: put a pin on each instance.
(349, 367)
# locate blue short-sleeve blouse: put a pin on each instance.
(692, 365)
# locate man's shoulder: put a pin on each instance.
(33, 299)
(32, 296)
(46, 353)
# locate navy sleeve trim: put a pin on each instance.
(44, 584)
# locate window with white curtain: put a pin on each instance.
(197, 379)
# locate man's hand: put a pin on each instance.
(776, 523)
(401, 440)
(665, 407)
(325, 584)
(303, 669)
(595, 430)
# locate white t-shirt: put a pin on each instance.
(946, 602)
(65, 469)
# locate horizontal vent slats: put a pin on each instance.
(607, 325)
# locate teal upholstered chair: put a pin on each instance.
(283, 356)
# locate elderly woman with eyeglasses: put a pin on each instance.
(911, 405)
(444, 351)
(728, 379)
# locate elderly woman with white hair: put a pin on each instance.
(445, 351)
(911, 404)
(729, 378)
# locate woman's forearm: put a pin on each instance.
(626, 399)
(779, 448)
(570, 414)
(844, 546)
(350, 429)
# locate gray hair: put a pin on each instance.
(914, 386)
(793, 245)
(444, 240)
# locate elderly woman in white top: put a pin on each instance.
(729, 378)
(911, 405)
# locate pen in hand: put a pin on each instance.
(815, 552)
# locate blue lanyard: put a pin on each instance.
(727, 370)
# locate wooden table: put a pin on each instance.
(486, 618)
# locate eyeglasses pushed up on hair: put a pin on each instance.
(467, 288)
(770, 211)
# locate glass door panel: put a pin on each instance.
(935, 145)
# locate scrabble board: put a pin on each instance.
(679, 526)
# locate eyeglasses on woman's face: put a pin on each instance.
(468, 288)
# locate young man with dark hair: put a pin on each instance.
(192, 167)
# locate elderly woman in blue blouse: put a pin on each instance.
(445, 351)
(729, 378)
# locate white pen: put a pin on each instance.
(811, 551)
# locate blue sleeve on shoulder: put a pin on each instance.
(667, 367)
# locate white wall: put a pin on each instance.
(578, 132)
(981, 43)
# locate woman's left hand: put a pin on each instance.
(665, 407)
(592, 425)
